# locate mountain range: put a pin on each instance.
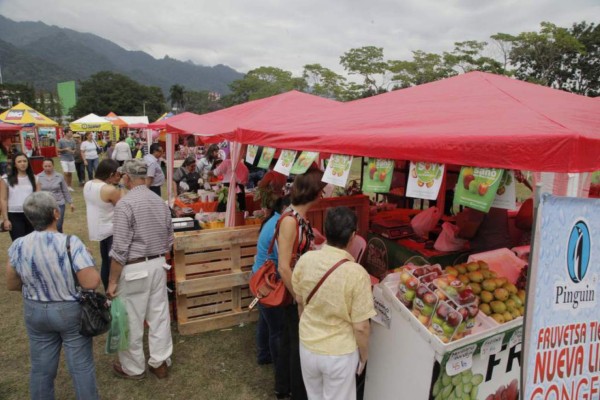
(36, 53)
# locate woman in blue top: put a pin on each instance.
(39, 268)
(270, 319)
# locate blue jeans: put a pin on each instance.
(60, 221)
(92, 165)
(50, 326)
(268, 333)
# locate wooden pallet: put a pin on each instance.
(212, 269)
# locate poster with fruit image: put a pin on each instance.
(338, 169)
(251, 152)
(476, 187)
(488, 369)
(304, 161)
(266, 157)
(506, 192)
(285, 162)
(424, 180)
(377, 177)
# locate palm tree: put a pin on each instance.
(177, 97)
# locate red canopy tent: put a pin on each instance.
(222, 124)
(4, 127)
(475, 118)
(162, 123)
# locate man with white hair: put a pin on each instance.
(142, 234)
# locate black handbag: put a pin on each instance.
(95, 307)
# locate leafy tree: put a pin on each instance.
(467, 56)
(538, 56)
(177, 97)
(262, 82)
(424, 68)
(582, 69)
(367, 62)
(14, 93)
(325, 83)
(504, 42)
(200, 102)
(108, 91)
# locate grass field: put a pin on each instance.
(213, 365)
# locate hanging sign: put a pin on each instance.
(562, 327)
(476, 187)
(303, 162)
(377, 177)
(14, 115)
(425, 180)
(285, 162)
(506, 192)
(266, 157)
(251, 152)
(338, 169)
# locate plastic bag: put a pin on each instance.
(118, 335)
(448, 239)
(425, 221)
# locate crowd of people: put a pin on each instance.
(316, 348)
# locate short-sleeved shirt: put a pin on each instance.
(65, 143)
(154, 170)
(56, 185)
(191, 178)
(89, 150)
(343, 299)
(264, 241)
(40, 259)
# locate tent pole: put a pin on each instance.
(170, 160)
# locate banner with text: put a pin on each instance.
(425, 180)
(377, 177)
(562, 336)
(338, 169)
(476, 187)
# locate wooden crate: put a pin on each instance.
(212, 268)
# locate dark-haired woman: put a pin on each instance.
(17, 185)
(101, 195)
(51, 181)
(89, 151)
(185, 179)
(295, 238)
(270, 319)
(207, 163)
(5, 144)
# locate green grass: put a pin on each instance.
(213, 365)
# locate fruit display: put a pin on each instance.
(522, 279)
(508, 392)
(425, 304)
(446, 322)
(409, 280)
(461, 386)
(460, 298)
(499, 298)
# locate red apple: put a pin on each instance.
(467, 180)
(454, 318)
(483, 188)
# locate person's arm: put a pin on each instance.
(119, 253)
(13, 280)
(88, 278)
(4, 205)
(82, 149)
(285, 243)
(110, 194)
(113, 279)
(65, 191)
(362, 331)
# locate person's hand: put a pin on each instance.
(85, 163)
(361, 367)
(6, 224)
(72, 207)
(111, 290)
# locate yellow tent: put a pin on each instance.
(91, 123)
(22, 114)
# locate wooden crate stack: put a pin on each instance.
(212, 269)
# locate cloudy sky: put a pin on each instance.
(288, 34)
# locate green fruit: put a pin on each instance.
(451, 271)
(486, 296)
(467, 387)
(456, 379)
(476, 276)
(487, 274)
(461, 269)
(512, 289)
(501, 281)
(466, 376)
(510, 305)
(474, 186)
(489, 285)
(476, 380)
(515, 313)
(498, 306)
(409, 295)
(437, 388)
(501, 294)
(464, 278)
(472, 266)
(446, 380)
(483, 265)
(498, 317)
(507, 316)
(446, 392)
(474, 392)
(458, 390)
(485, 308)
(475, 287)
(516, 299)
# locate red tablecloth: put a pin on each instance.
(209, 206)
(48, 151)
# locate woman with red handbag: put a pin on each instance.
(295, 238)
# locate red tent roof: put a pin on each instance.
(162, 124)
(476, 118)
(278, 108)
(4, 127)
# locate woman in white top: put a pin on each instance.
(15, 187)
(89, 152)
(101, 195)
(122, 152)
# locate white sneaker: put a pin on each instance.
(70, 189)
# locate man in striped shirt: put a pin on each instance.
(142, 234)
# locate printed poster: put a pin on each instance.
(424, 180)
(338, 169)
(14, 115)
(251, 152)
(377, 177)
(304, 162)
(476, 187)
(562, 337)
(266, 157)
(506, 192)
(285, 162)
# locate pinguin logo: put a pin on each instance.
(578, 252)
